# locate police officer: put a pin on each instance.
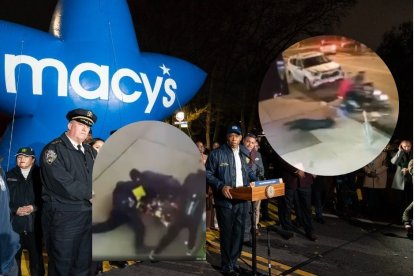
(66, 171)
(143, 189)
(189, 202)
(24, 185)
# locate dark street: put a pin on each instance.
(344, 247)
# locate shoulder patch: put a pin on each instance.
(50, 156)
(57, 141)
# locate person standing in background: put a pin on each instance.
(210, 214)
(254, 161)
(403, 181)
(25, 205)
(97, 143)
(216, 145)
(298, 194)
(375, 182)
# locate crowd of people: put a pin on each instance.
(381, 190)
(51, 204)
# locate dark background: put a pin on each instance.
(235, 41)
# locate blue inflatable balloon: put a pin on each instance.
(89, 59)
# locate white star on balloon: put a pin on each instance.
(165, 70)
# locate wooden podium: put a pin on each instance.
(258, 193)
(267, 189)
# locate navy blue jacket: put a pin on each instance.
(67, 175)
(221, 171)
(24, 192)
(154, 184)
(9, 240)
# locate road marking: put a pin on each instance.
(262, 263)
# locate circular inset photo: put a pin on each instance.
(328, 105)
(148, 195)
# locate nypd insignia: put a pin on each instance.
(50, 156)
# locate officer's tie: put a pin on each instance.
(80, 149)
(84, 156)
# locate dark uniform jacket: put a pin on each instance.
(67, 175)
(292, 179)
(154, 184)
(221, 171)
(24, 192)
(192, 197)
(159, 184)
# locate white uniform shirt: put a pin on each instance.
(239, 175)
(75, 145)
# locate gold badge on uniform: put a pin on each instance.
(50, 156)
(89, 114)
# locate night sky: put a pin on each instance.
(366, 22)
(370, 19)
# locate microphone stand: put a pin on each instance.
(269, 264)
(253, 233)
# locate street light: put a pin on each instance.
(180, 117)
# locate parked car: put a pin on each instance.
(327, 48)
(353, 47)
(312, 69)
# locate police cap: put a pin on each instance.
(83, 116)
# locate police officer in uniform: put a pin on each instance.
(129, 198)
(66, 171)
(190, 205)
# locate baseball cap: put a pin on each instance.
(27, 151)
(234, 129)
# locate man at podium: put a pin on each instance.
(227, 169)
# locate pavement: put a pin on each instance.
(345, 246)
(339, 149)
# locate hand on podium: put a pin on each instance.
(226, 192)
